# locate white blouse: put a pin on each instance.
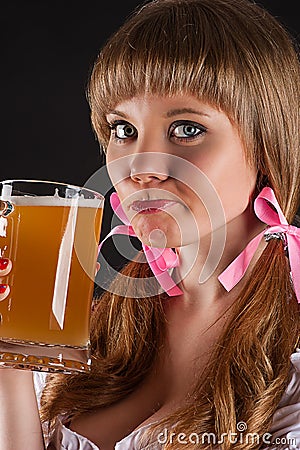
(284, 433)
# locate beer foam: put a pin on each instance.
(55, 200)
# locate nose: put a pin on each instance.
(149, 167)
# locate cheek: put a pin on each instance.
(232, 182)
(117, 167)
(235, 184)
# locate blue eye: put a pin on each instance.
(187, 130)
(123, 130)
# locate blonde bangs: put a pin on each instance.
(165, 57)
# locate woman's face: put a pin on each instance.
(179, 168)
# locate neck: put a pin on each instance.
(202, 262)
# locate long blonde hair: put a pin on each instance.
(235, 56)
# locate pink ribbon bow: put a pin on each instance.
(266, 209)
(264, 206)
(160, 260)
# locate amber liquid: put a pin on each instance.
(46, 258)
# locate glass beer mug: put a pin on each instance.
(50, 231)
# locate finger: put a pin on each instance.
(5, 266)
(4, 291)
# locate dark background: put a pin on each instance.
(47, 50)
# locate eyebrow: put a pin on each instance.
(176, 112)
(117, 113)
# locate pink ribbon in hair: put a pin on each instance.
(268, 211)
(160, 260)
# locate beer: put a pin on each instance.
(53, 245)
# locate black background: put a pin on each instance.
(47, 51)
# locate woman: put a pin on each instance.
(196, 104)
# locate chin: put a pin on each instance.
(162, 235)
(157, 233)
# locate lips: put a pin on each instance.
(151, 206)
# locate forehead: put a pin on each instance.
(168, 106)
